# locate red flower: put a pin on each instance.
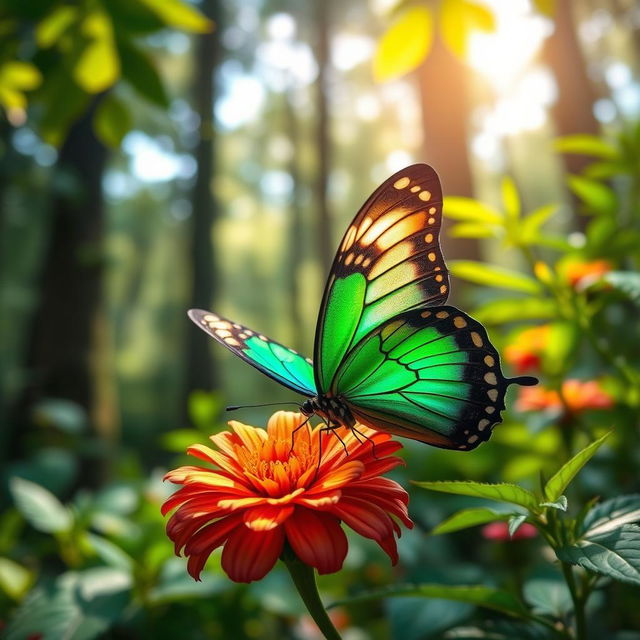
(500, 531)
(581, 274)
(578, 395)
(525, 353)
(276, 486)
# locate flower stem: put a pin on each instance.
(305, 581)
(578, 601)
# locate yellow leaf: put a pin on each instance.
(50, 28)
(180, 15)
(404, 45)
(12, 99)
(459, 18)
(510, 198)
(20, 75)
(548, 7)
(98, 67)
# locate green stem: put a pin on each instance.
(305, 581)
(578, 601)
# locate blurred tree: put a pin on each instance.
(323, 222)
(199, 365)
(84, 52)
(573, 110)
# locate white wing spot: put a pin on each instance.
(402, 183)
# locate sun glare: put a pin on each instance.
(503, 55)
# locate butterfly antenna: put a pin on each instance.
(525, 381)
(266, 404)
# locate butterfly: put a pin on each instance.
(389, 353)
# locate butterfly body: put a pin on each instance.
(389, 353)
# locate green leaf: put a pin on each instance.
(112, 121)
(548, 597)
(596, 196)
(587, 145)
(66, 415)
(478, 595)
(493, 276)
(98, 66)
(512, 309)
(515, 522)
(141, 74)
(40, 508)
(626, 281)
(58, 115)
(468, 209)
(180, 15)
(179, 439)
(510, 198)
(23, 76)
(610, 515)
(110, 553)
(404, 45)
(501, 492)
(561, 478)
(204, 408)
(615, 554)
(469, 518)
(15, 580)
(530, 226)
(561, 503)
(53, 26)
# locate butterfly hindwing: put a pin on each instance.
(429, 374)
(275, 360)
(388, 262)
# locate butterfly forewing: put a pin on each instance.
(429, 374)
(279, 362)
(389, 261)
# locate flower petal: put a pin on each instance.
(250, 555)
(364, 518)
(317, 539)
(336, 478)
(266, 517)
(202, 543)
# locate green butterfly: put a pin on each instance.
(388, 352)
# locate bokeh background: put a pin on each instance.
(157, 155)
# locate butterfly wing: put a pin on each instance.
(389, 262)
(275, 360)
(429, 374)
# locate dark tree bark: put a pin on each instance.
(444, 87)
(573, 111)
(199, 364)
(323, 136)
(65, 340)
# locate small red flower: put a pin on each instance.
(276, 486)
(525, 353)
(500, 531)
(581, 274)
(578, 395)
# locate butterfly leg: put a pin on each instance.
(293, 433)
(366, 437)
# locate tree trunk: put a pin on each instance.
(295, 224)
(65, 351)
(573, 111)
(445, 121)
(323, 136)
(199, 364)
